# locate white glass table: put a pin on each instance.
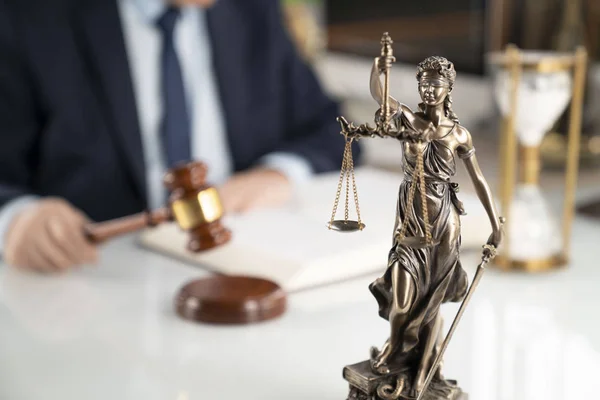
(109, 332)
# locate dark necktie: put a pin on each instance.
(175, 127)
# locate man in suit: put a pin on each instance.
(99, 97)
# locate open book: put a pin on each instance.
(293, 247)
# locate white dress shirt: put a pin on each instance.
(143, 42)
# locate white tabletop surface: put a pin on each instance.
(109, 332)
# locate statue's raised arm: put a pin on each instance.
(392, 119)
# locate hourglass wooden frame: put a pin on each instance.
(526, 160)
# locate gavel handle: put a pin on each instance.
(101, 231)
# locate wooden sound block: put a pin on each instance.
(226, 299)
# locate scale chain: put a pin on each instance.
(347, 175)
(411, 196)
(347, 182)
(423, 196)
(340, 184)
(419, 172)
(355, 190)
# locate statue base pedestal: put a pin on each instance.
(367, 385)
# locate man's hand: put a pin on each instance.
(48, 237)
(257, 188)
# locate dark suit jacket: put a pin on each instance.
(68, 122)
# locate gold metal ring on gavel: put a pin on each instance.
(205, 208)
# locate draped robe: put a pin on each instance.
(437, 274)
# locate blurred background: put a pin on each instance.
(341, 37)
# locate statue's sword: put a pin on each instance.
(489, 252)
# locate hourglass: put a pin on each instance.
(533, 89)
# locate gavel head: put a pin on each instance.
(196, 206)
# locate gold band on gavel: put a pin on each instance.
(529, 168)
(206, 207)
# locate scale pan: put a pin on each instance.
(418, 242)
(346, 226)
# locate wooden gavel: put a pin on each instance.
(196, 208)
(193, 204)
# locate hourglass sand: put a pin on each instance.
(533, 89)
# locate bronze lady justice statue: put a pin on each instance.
(424, 269)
